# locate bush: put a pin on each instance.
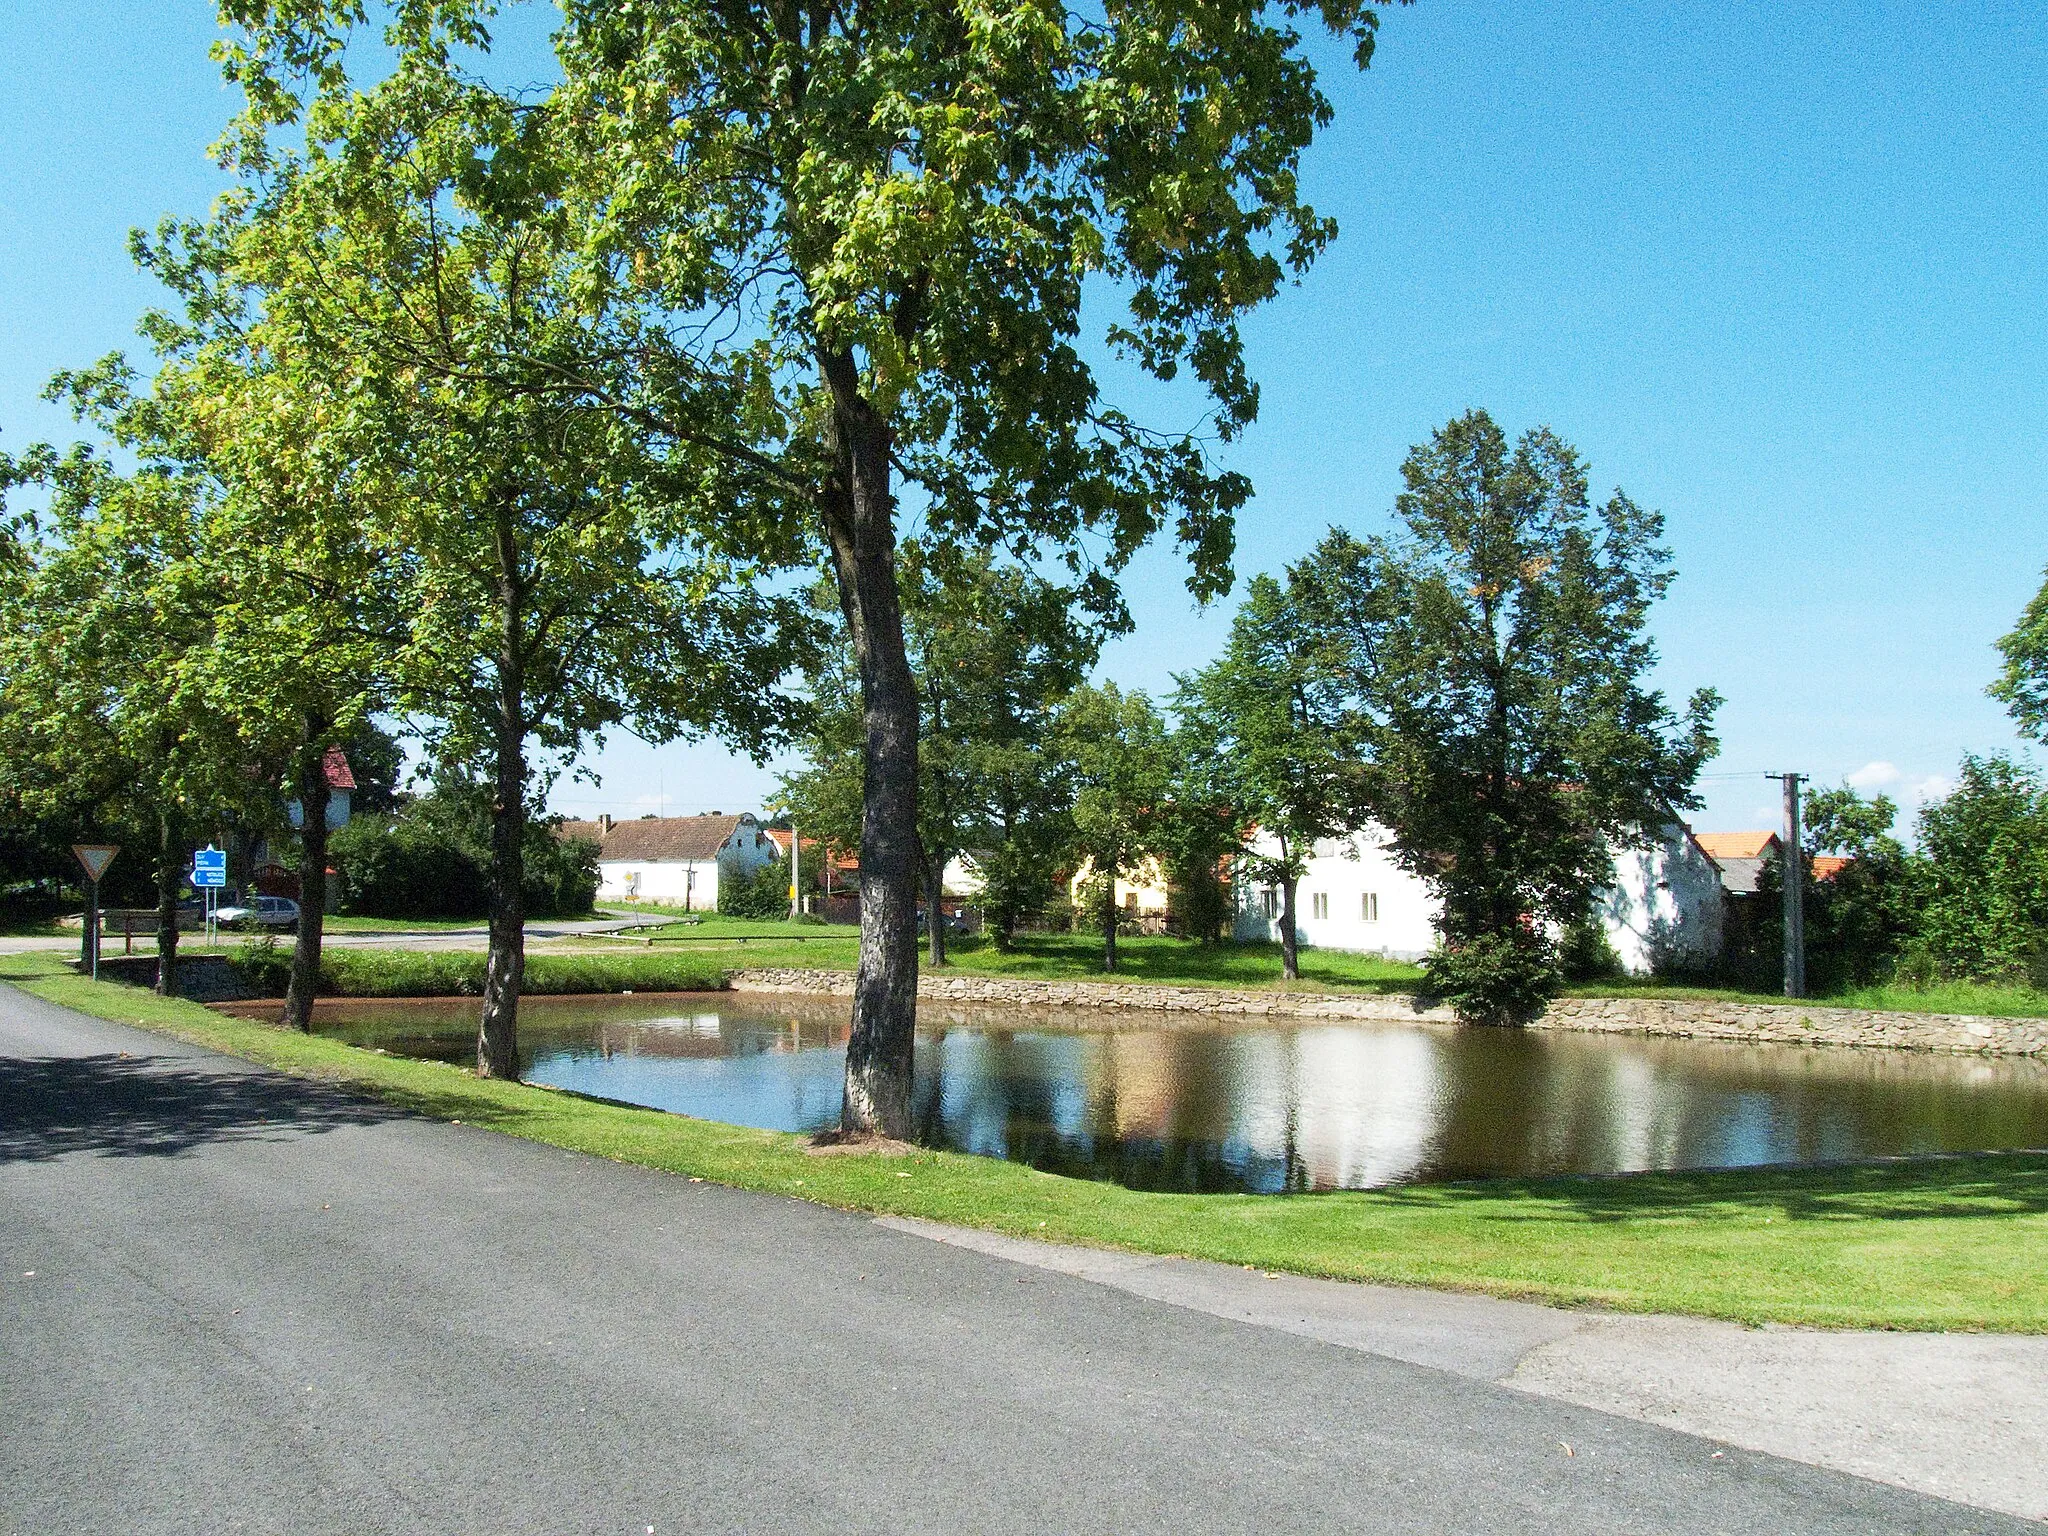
(432, 859)
(261, 966)
(409, 865)
(1584, 954)
(1494, 978)
(764, 895)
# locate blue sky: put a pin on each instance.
(1778, 271)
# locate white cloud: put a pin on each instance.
(1878, 775)
(1936, 786)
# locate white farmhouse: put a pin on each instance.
(673, 861)
(1664, 906)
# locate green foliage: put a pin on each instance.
(428, 973)
(407, 865)
(1494, 659)
(1860, 920)
(1121, 766)
(993, 649)
(1585, 954)
(432, 859)
(1502, 977)
(1986, 890)
(763, 895)
(259, 966)
(1267, 724)
(2023, 682)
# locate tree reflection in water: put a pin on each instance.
(1159, 1103)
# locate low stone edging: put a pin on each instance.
(1953, 1033)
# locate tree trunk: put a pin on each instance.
(497, 1040)
(170, 865)
(1290, 953)
(1109, 918)
(858, 511)
(935, 897)
(313, 796)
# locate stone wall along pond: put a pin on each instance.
(1779, 1023)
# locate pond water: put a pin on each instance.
(1265, 1106)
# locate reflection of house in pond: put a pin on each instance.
(1323, 1107)
(712, 1037)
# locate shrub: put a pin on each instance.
(1494, 978)
(1584, 953)
(432, 859)
(764, 895)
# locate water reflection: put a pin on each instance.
(1259, 1107)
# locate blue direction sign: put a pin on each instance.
(209, 868)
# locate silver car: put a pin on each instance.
(260, 912)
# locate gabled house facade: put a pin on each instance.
(1663, 907)
(673, 861)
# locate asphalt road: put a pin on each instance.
(230, 1301)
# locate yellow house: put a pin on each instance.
(1140, 892)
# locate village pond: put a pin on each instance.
(1265, 1106)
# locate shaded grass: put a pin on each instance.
(1934, 1244)
(460, 973)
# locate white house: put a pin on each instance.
(1664, 905)
(673, 861)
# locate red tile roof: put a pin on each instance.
(337, 769)
(657, 839)
(1737, 845)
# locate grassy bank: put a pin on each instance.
(1951, 1243)
(1176, 962)
(460, 973)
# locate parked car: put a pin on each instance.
(954, 921)
(261, 912)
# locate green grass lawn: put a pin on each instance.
(1955, 1243)
(460, 973)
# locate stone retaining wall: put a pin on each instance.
(1776, 1022)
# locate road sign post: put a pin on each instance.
(95, 857)
(209, 874)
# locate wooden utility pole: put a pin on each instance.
(1793, 863)
(796, 870)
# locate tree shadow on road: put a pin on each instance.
(117, 1106)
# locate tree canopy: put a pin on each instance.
(1495, 656)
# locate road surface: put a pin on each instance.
(232, 1301)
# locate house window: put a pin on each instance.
(1319, 904)
(1369, 907)
(1269, 903)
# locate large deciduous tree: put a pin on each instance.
(1496, 656)
(108, 610)
(568, 575)
(875, 226)
(858, 238)
(1121, 768)
(308, 607)
(1271, 716)
(992, 649)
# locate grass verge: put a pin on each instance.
(460, 973)
(1955, 1243)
